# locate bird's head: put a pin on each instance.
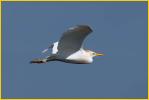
(93, 54)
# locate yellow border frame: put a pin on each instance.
(66, 1)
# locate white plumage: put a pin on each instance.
(81, 56)
(69, 48)
(54, 49)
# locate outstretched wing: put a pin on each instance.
(71, 40)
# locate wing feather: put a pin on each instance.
(72, 40)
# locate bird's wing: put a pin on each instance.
(45, 50)
(71, 40)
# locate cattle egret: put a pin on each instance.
(69, 48)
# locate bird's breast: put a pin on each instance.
(80, 57)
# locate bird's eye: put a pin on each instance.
(94, 53)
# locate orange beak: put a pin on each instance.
(99, 54)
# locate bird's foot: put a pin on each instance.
(38, 61)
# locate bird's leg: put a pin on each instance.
(51, 57)
(39, 60)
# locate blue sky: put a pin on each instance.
(119, 31)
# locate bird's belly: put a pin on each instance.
(80, 61)
(80, 57)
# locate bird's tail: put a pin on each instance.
(39, 60)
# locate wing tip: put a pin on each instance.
(82, 26)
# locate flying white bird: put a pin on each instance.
(69, 48)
